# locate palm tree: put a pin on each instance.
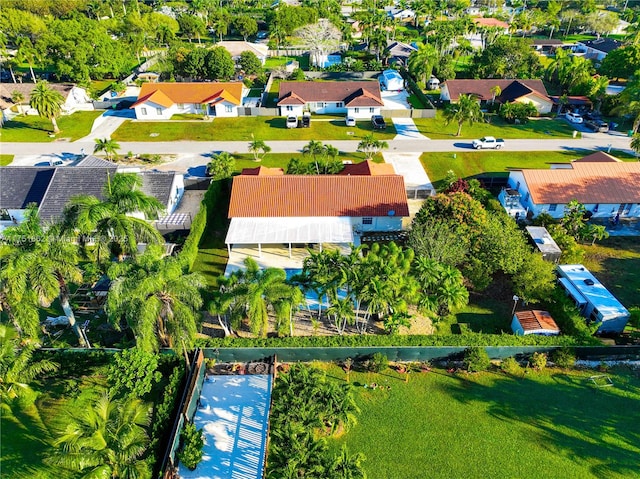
(221, 166)
(343, 314)
(110, 147)
(17, 98)
(107, 440)
(466, 109)
(285, 306)
(156, 300)
(17, 370)
(598, 91)
(18, 301)
(255, 291)
(370, 146)
(635, 144)
(422, 61)
(110, 220)
(313, 149)
(258, 148)
(346, 466)
(495, 91)
(47, 102)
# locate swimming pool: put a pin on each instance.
(311, 297)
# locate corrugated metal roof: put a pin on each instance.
(318, 195)
(536, 319)
(586, 182)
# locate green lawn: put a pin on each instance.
(241, 129)
(616, 263)
(276, 62)
(5, 160)
(549, 424)
(35, 129)
(437, 129)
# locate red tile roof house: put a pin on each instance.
(270, 208)
(160, 101)
(521, 91)
(605, 185)
(357, 99)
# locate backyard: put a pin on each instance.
(437, 129)
(242, 129)
(550, 423)
(31, 128)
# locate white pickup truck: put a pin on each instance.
(488, 142)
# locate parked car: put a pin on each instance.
(306, 119)
(262, 35)
(292, 121)
(350, 121)
(488, 142)
(378, 122)
(597, 125)
(574, 117)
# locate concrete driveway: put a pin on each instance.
(407, 129)
(106, 124)
(394, 100)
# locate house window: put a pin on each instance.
(320, 104)
(595, 208)
(289, 108)
(526, 197)
(228, 108)
(372, 110)
(180, 106)
(339, 104)
(143, 111)
(553, 207)
(356, 110)
(159, 111)
(4, 215)
(367, 221)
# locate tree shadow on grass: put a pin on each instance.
(17, 124)
(597, 428)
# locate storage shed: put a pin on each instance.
(534, 322)
(392, 81)
(545, 243)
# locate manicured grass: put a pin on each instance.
(5, 160)
(187, 116)
(212, 256)
(616, 263)
(241, 129)
(548, 424)
(437, 129)
(35, 129)
(100, 87)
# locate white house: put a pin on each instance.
(160, 101)
(75, 98)
(593, 300)
(268, 207)
(521, 91)
(534, 322)
(357, 99)
(597, 49)
(604, 185)
(236, 48)
(391, 80)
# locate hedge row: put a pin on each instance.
(415, 89)
(468, 339)
(190, 249)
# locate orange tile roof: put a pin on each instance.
(352, 93)
(369, 168)
(587, 182)
(263, 171)
(536, 319)
(166, 94)
(317, 195)
(490, 22)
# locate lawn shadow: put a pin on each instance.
(277, 122)
(573, 420)
(22, 125)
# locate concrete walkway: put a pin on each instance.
(409, 166)
(106, 124)
(407, 129)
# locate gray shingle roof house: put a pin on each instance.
(599, 48)
(51, 188)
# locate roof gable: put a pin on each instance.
(367, 92)
(167, 94)
(482, 88)
(158, 184)
(20, 186)
(318, 195)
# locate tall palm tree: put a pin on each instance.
(258, 148)
(347, 466)
(422, 61)
(18, 301)
(635, 144)
(17, 98)
(495, 92)
(598, 91)
(285, 306)
(256, 291)
(109, 146)
(156, 300)
(110, 220)
(107, 440)
(47, 102)
(370, 146)
(343, 314)
(17, 369)
(467, 109)
(313, 149)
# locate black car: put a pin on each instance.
(597, 125)
(378, 122)
(306, 120)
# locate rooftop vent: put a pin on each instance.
(588, 282)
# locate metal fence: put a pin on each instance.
(407, 353)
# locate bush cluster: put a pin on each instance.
(512, 367)
(192, 446)
(476, 359)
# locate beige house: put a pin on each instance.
(521, 91)
(236, 49)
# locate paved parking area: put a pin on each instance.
(407, 129)
(394, 100)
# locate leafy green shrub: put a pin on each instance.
(162, 419)
(133, 372)
(511, 367)
(378, 362)
(634, 319)
(192, 444)
(563, 358)
(538, 361)
(476, 359)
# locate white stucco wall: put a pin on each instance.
(289, 110)
(329, 109)
(444, 93)
(363, 112)
(153, 111)
(177, 190)
(541, 105)
(225, 109)
(378, 223)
